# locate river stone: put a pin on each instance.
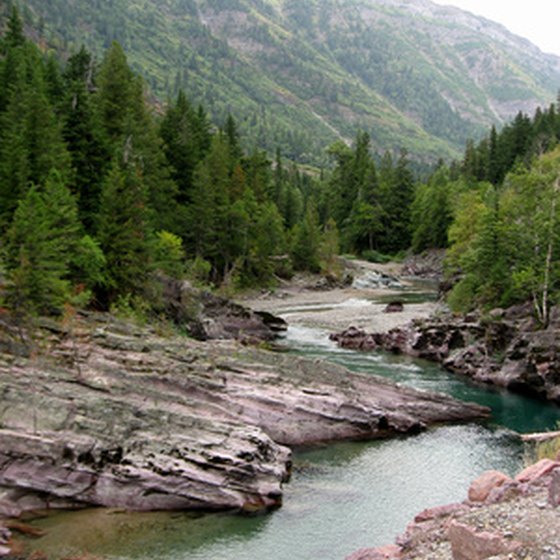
(534, 472)
(469, 544)
(481, 488)
(554, 489)
(388, 552)
(440, 511)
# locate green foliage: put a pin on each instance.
(506, 242)
(88, 263)
(123, 231)
(301, 77)
(41, 244)
(376, 257)
(431, 212)
(329, 249)
(305, 244)
(169, 256)
(199, 270)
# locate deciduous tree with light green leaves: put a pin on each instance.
(531, 207)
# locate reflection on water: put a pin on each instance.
(342, 497)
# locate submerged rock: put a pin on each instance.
(104, 413)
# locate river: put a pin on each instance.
(341, 497)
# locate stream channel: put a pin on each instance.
(341, 497)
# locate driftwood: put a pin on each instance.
(542, 436)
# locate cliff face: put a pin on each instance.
(103, 413)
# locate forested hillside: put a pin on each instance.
(101, 191)
(300, 75)
(99, 195)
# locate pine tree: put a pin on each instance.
(31, 144)
(41, 244)
(115, 96)
(305, 245)
(83, 135)
(123, 231)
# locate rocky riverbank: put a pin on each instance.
(505, 348)
(101, 412)
(502, 518)
(361, 301)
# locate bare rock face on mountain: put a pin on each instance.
(102, 413)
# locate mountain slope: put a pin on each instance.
(302, 74)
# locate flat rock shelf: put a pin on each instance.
(111, 415)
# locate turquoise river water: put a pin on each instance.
(341, 497)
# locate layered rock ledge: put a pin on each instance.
(102, 413)
(506, 348)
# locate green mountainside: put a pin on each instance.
(300, 75)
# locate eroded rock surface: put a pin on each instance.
(99, 412)
(206, 316)
(506, 349)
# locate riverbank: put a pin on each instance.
(309, 302)
(505, 348)
(502, 518)
(106, 413)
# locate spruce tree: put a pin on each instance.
(41, 245)
(83, 135)
(123, 231)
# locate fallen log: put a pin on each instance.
(540, 436)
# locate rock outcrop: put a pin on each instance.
(505, 349)
(516, 525)
(206, 316)
(98, 412)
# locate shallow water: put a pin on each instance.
(342, 497)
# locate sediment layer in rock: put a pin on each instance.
(102, 413)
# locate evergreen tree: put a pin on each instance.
(431, 212)
(83, 135)
(305, 244)
(31, 143)
(115, 96)
(123, 231)
(186, 141)
(397, 194)
(42, 242)
(14, 36)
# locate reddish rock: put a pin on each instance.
(440, 511)
(389, 552)
(537, 471)
(504, 493)
(480, 489)
(554, 489)
(468, 544)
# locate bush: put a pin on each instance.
(375, 257)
